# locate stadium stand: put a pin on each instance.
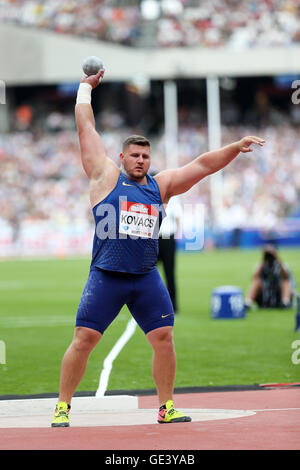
(41, 178)
(209, 23)
(104, 20)
(235, 23)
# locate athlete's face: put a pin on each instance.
(136, 161)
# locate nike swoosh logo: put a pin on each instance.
(125, 184)
(164, 316)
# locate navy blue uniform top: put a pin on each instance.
(127, 224)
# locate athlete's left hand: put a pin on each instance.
(244, 144)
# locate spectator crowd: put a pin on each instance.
(41, 177)
(234, 23)
(207, 23)
(97, 19)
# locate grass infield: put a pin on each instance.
(38, 305)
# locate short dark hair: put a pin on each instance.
(136, 140)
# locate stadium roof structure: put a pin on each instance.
(31, 56)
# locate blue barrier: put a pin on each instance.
(227, 302)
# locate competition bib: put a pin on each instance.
(137, 219)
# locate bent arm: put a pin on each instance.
(258, 271)
(180, 180)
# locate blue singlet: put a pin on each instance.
(127, 225)
(123, 267)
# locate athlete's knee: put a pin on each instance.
(161, 338)
(85, 339)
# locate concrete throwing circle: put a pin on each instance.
(38, 413)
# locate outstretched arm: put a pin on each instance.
(93, 154)
(180, 180)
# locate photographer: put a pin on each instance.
(271, 285)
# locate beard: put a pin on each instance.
(138, 173)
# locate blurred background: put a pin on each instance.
(191, 75)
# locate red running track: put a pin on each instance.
(275, 426)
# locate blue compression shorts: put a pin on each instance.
(105, 293)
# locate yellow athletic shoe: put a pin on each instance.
(168, 414)
(61, 416)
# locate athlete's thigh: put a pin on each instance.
(151, 305)
(102, 299)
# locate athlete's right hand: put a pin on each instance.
(94, 80)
